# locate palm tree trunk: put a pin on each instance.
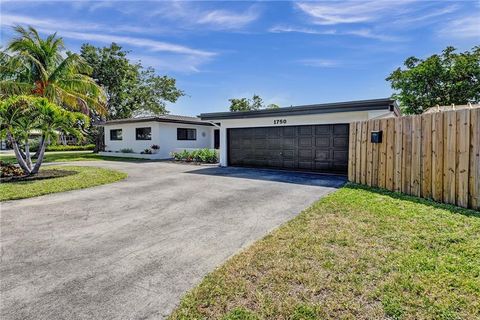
(20, 160)
(35, 156)
(42, 148)
(99, 140)
(22, 153)
(28, 160)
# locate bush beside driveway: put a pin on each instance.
(357, 254)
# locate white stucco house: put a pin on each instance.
(308, 137)
(169, 132)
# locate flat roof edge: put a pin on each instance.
(350, 106)
(122, 121)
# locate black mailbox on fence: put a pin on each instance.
(376, 136)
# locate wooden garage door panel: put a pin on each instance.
(289, 143)
(341, 129)
(305, 142)
(323, 129)
(275, 144)
(340, 156)
(305, 130)
(322, 141)
(320, 147)
(340, 142)
(323, 165)
(305, 154)
(290, 132)
(322, 155)
(274, 133)
(288, 155)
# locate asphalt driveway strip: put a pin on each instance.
(131, 249)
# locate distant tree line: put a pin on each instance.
(244, 104)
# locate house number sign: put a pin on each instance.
(280, 121)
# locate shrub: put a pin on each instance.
(146, 151)
(65, 148)
(199, 155)
(126, 150)
(155, 147)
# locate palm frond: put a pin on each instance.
(10, 87)
(43, 75)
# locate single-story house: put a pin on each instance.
(309, 137)
(169, 132)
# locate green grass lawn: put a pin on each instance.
(85, 177)
(359, 253)
(59, 156)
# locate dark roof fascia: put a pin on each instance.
(363, 105)
(122, 121)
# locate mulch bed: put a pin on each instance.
(43, 174)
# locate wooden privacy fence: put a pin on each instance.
(433, 156)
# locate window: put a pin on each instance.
(143, 133)
(186, 134)
(116, 134)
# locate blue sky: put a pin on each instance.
(290, 53)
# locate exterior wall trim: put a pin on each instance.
(351, 106)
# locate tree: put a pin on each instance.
(244, 104)
(445, 79)
(257, 102)
(272, 106)
(35, 66)
(130, 88)
(19, 115)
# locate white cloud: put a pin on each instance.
(175, 57)
(152, 45)
(229, 20)
(404, 12)
(320, 63)
(72, 31)
(190, 16)
(60, 25)
(176, 63)
(287, 29)
(425, 17)
(464, 27)
(11, 20)
(364, 33)
(330, 13)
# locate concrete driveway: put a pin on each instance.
(131, 249)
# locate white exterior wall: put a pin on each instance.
(164, 134)
(312, 119)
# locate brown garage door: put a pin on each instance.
(322, 148)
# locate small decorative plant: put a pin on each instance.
(146, 151)
(200, 156)
(155, 148)
(126, 150)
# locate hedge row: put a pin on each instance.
(68, 148)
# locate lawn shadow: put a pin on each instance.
(302, 178)
(427, 202)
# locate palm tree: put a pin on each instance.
(19, 115)
(34, 66)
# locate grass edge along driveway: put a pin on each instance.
(84, 178)
(358, 253)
